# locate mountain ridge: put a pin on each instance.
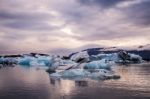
(143, 51)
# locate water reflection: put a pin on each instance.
(132, 78)
(65, 86)
(23, 83)
(78, 83)
(54, 81)
(81, 83)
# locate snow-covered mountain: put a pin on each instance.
(143, 51)
(138, 48)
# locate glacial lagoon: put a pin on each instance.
(23, 82)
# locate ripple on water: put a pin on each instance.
(26, 83)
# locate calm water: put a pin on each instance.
(28, 83)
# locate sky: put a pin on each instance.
(60, 26)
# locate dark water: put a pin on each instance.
(29, 83)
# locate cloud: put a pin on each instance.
(95, 24)
(101, 3)
(26, 20)
(139, 13)
(53, 26)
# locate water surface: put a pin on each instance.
(28, 83)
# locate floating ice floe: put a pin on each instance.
(129, 58)
(8, 61)
(100, 69)
(120, 57)
(79, 66)
(136, 58)
(80, 55)
(100, 64)
(82, 74)
(59, 64)
(111, 57)
(32, 61)
(25, 60)
(97, 67)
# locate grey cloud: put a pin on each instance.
(101, 3)
(139, 13)
(7, 45)
(29, 25)
(67, 51)
(82, 20)
(13, 36)
(26, 20)
(20, 19)
(101, 35)
(24, 15)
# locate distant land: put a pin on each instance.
(143, 51)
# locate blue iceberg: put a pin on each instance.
(100, 64)
(39, 60)
(77, 74)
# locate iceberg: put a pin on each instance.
(1, 60)
(25, 60)
(82, 74)
(74, 73)
(8, 61)
(46, 60)
(36, 63)
(79, 65)
(59, 64)
(80, 55)
(109, 57)
(129, 58)
(136, 58)
(120, 57)
(100, 64)
(32, 61)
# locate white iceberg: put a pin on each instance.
(100, 64)
(135, 58)
(8, 61)
(82, 74)
(36, 63)
(59, 64)
(38, 60)
(80, 55)
(119, 57)
(25, 60)
(47, 60)
(110, 57)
